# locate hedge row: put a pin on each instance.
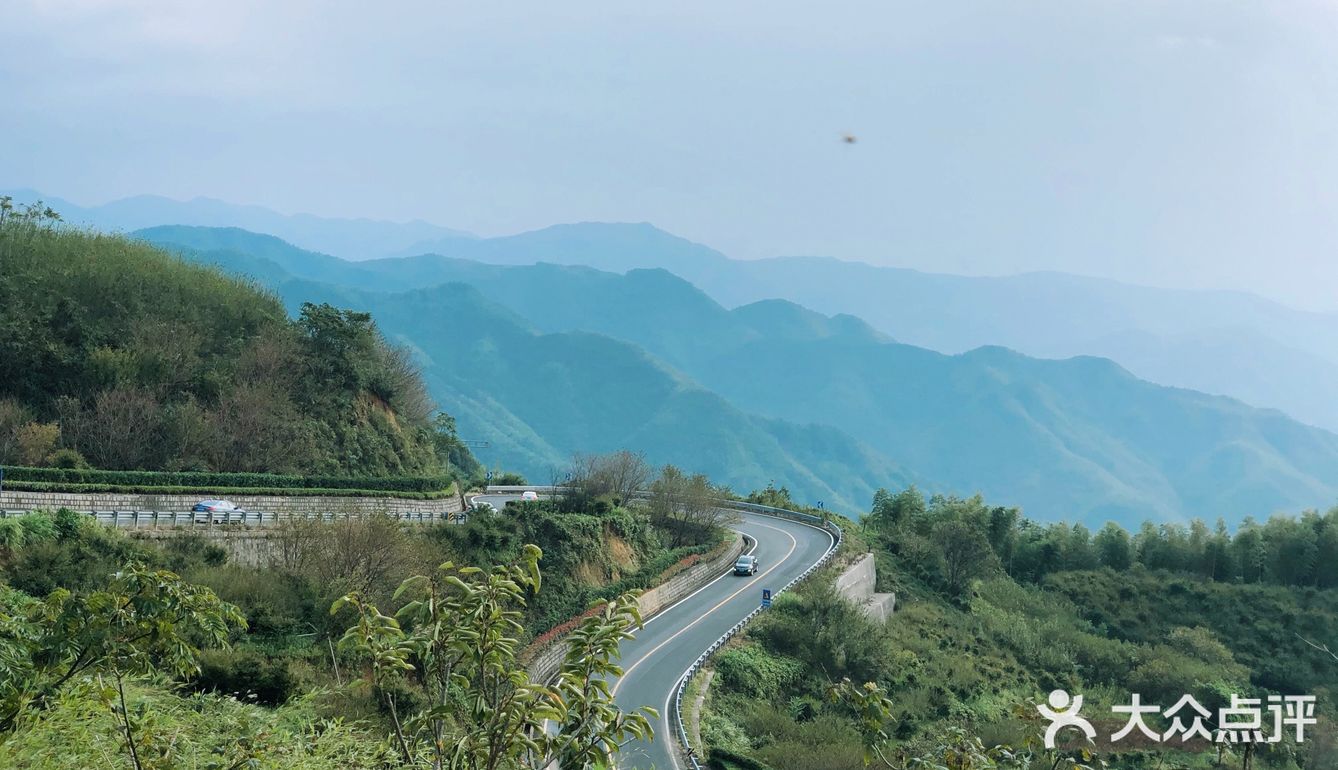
(132, 489)
(198, 480)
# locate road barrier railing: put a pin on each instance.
(244, 519)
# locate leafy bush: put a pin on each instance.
(246, 675)
(38, 527)
(197, 480)
(80, 555)
(751, 669)
(67, 458)
(11, 534)
(43, 486)
(274, 603)
(196, 731)
(723, 734)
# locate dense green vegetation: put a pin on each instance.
(86, 673)
(235, 480)
(116, 354)
(328, 654)
(995, 611)
(76, 479)
(824, 405)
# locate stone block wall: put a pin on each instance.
(284, 505)
(251, 547)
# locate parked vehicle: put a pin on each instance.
(217, 511)
(746, 565)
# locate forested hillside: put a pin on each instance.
(995, 611)
(1078, 438)
(119, 355)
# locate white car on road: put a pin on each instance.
(217, 511)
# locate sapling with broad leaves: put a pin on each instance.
(457, 636)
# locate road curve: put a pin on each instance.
(655, 660)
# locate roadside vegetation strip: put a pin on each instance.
(139, 489)
(70, 478)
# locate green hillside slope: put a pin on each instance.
(121, 355)
(538, 398)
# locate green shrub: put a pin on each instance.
(752, 670)
(68, 459)
(81, 555)
(246, 675)
(11, 533)
(47, 486)
(275, 603)
(192, 731)
(67, 476)
(38, 527)
(68, 522)
(723, 734)
(189, 550)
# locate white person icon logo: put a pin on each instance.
(1061, 715)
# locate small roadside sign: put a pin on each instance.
(766, 597)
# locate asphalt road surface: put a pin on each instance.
(656, 659)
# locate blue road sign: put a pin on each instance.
(766, 597)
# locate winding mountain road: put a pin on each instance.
(657, 658)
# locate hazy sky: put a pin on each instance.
(1171, 143)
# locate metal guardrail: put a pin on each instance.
(815, 521)
(243, 519)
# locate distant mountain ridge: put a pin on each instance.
(1079, 438)
(1228, 343)
(347, 238)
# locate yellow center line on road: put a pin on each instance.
(793, 545)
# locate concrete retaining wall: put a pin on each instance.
(856, 584)
(298, 506)
(251, 547)
(543, 664)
